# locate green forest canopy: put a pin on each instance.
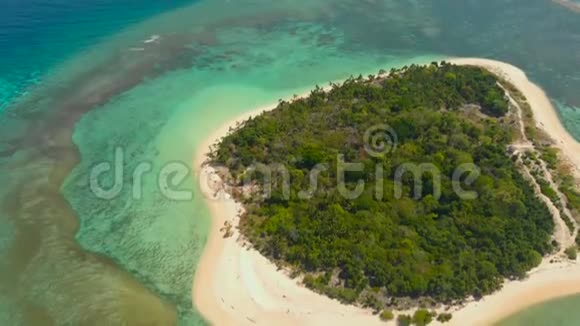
(445, 248)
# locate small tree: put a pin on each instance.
(404, 320)
(556, 245)
(422, 317)
(444, 317)
(386, 315)
(571, 252)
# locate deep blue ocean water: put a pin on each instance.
(79, 79)
(36, 35)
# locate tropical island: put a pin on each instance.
(405, 246)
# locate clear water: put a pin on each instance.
(36, 35)
(69, 257)
(558, 312)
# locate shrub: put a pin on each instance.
(571, 252)
(422, 317)
(444, 317)
(550, 156)
(386, 315)
(372, 302)
(404, 320)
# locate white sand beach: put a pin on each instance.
(235, 285)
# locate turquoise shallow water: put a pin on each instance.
(559, 312)
(69, 257)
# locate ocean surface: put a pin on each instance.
(38, 35)
(117, 91)
(558, 312)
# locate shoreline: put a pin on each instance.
(235, 285)
(568, 5)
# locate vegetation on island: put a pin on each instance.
(404, 320)
(386, 315)
(534, 164)
(444, 317)
(571, 252)
(381, 249)
(422, 317)
(558, 167)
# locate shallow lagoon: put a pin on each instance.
(558, 312)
